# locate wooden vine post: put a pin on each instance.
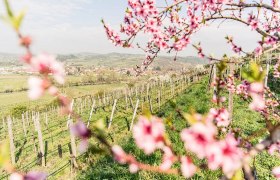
(40, 139)
(72, 138)
(134, 114)
(23, 125)
(112, 114)
(91, 111)
(11, 138)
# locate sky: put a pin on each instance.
(73, 26)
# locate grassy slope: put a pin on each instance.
(196, 97)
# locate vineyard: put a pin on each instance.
(41, 139)
(89, 110)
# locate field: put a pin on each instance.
(18, 96)
(56, 135)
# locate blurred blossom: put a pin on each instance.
(197, 138)
(37, 87)
(256, 91)
(149, 134)
(188, 169)
(221, 116)
(80, 130)
(47, 64)
(119, 154)
(276, 172)
(133, 168)
(168, 159)
(33, 175)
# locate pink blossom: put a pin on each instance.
(149, 134)
(181, 44)
(80, 130)
(274, 147)
(33, 175)
(47, 64)
(133, 168)
(243, 89)
(168, 159)
(119, 154)
(231, 155)
(26, 58)
(221, 116)
(276, 172)
(256, 91)
(197, 138)
(16, 176)
(26, 41)
(188, 169)
(37, 87)
(258, 51)
(214, 155)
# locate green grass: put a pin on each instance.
(196, 97)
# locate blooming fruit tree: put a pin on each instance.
(207, 136)
(170, 25)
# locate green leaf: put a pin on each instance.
(18, 20)
(8, 8)
(253, 74)
(222, 65)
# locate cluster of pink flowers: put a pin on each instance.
(220, 116)
(252, 21)
(230, 83)
(235, 48)
(47, 66)
(113, 35)
(200, 139)
(255, 91)
(243, 89)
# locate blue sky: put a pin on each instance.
(73, 26)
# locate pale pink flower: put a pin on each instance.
(168, 159)
(16, 176)
(149, 134)
(47, 64)
(26, 41)
(221, 116)
(274, 147)
(214, 155)
(133, 168)
(80, 130)
(36, 88)
(119, 154)
(197, 138)
(188, 169)
(276, 172)
(231, 155)
(256, 91)
(258, 51)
